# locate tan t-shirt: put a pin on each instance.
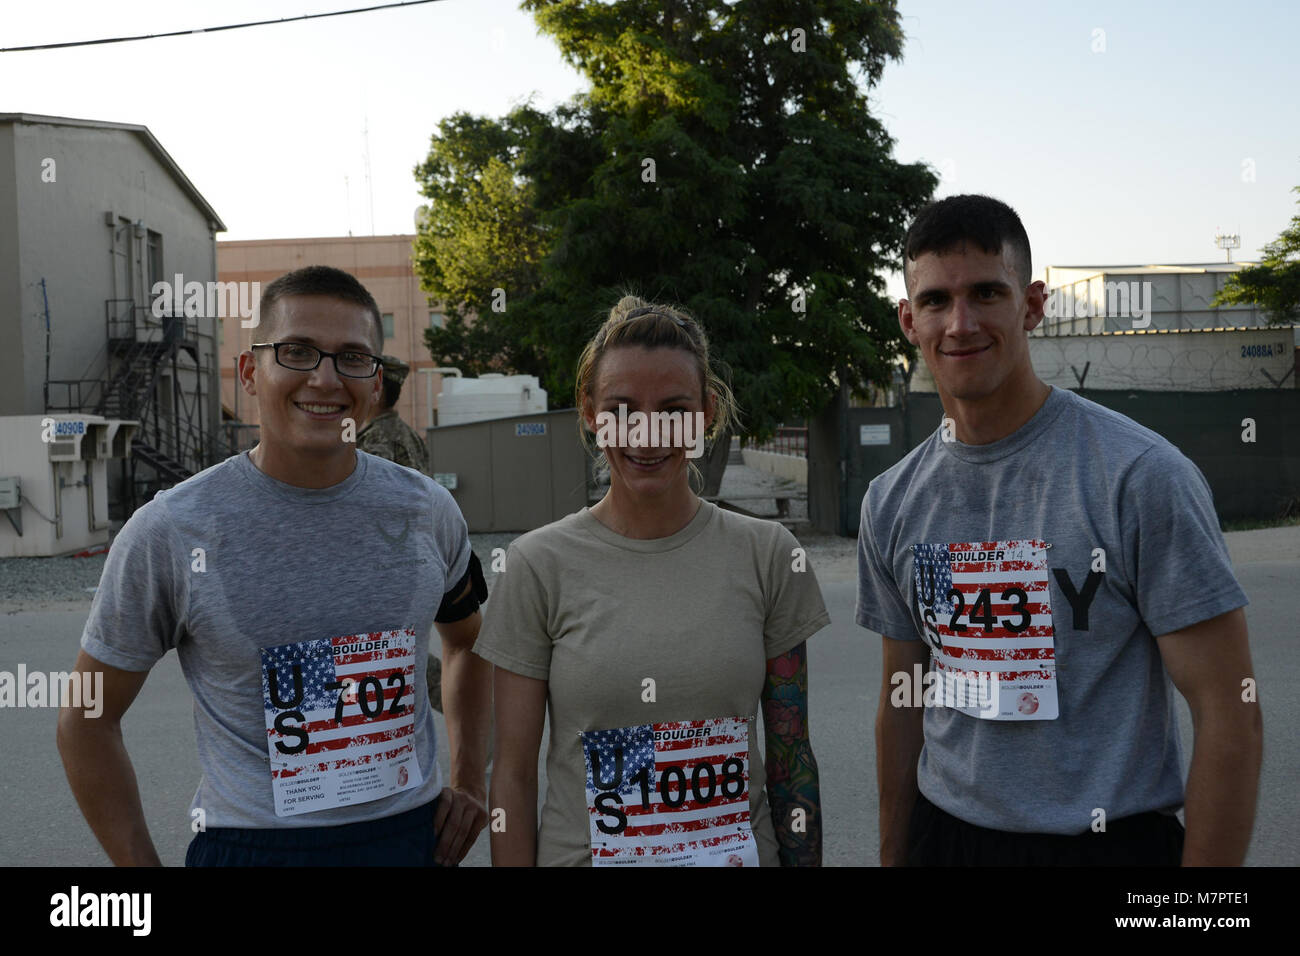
(595, 614)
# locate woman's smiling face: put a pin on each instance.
(647, 380)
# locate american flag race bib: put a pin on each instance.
(986, 611)
(670, 794)
(340, 720)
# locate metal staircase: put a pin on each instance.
(154, 371)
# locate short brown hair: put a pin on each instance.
(322, 280)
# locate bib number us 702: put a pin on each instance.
(370, 698)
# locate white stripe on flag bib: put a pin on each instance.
(986, 610)
(671, 794)
(340, 720)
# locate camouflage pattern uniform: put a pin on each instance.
(387, 436)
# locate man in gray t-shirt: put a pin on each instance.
(298, 583)
(1054, 564)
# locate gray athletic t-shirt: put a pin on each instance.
(248, 577)
(1076, 477)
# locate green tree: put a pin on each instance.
(480, 233)
(1274, 284)
(483, 232)
(725, 159)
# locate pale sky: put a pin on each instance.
(1122, 133)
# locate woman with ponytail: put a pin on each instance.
(653, 626)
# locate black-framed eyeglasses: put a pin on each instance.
(305, 358)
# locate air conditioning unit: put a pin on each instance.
(56, 474)
(121, 434)
(67, 438)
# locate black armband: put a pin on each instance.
(455, 608)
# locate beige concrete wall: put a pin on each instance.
(381, 263)
(1159, 361)
(789, 467)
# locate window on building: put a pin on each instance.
(437, 320)
(155, 258)
(389, 329)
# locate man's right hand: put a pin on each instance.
(98, 768)
(459, 819)
(899, 738)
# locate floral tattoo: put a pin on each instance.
(792, 783)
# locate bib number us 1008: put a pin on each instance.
(670, 794)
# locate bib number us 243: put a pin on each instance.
(986, 612)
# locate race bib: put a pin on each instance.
(340, 720)
(672, 794)
(986, 612)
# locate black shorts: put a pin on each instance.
(404, 839)
(937, 838)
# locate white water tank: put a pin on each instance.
(490, 396)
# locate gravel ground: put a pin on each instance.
(32, 583)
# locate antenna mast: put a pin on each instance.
(1227, 242)
(365, 137)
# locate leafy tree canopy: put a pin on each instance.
(1274, 284)
(725, 159)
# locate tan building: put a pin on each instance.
(383, 264)
(95, 219)
(1099, 300)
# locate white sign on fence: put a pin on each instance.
(873, 435)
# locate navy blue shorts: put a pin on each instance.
(405, 839)
(937, 838)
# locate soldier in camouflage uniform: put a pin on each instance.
(387, 436)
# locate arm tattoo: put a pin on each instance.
(792, 784)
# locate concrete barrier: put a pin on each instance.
(790, 467)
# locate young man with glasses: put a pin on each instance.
(298, 583)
